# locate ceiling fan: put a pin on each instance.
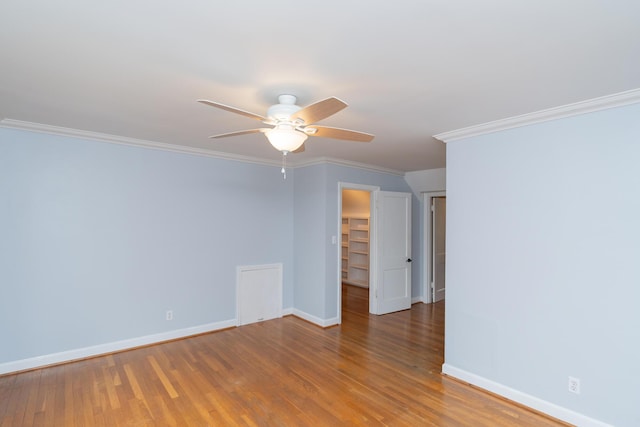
(292, 124)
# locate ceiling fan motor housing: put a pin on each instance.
(285, 109)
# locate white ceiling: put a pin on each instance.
(408, 69)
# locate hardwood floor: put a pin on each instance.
(371, 370)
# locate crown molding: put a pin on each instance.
(347, 163)
(122, 140)
(605, 102)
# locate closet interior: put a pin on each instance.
(356, 213)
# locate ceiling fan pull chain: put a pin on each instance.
(284, 165)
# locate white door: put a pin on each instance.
(438, 251)
(391, 281)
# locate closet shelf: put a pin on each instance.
(355, 251)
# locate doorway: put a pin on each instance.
(358, 204)
(385, 268)
(354, 250)
(434, 285)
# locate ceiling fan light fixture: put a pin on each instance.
(286, 140)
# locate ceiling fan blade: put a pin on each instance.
(319, 110)
(240, 132)
(337, 133)
(233, 109)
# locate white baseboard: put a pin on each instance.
(416, 300)
(324, 323)
(287, 311)
(96, 350)
(532, 402)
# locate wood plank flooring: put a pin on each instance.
(371, 370)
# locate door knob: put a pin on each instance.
(408, 259)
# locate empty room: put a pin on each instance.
(343, 213)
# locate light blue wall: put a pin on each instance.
(425, 181)
(97, 240)
(543, 261)
(309, 239)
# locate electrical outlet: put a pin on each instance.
(169, 314)
(574, 385)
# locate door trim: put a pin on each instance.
(351, 186)
(427, 243)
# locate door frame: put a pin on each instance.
(428, 243)
(362, 187)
